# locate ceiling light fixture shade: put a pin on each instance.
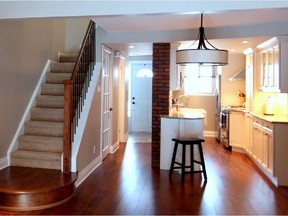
(202, 55)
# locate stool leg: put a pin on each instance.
(192, 158)
(173, 158)
(183, 162)
(202, 160)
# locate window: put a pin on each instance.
(199, 80)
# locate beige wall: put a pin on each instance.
(75, 31)
(207, 103)
(25, 47)
(229, 95)
(92, 133)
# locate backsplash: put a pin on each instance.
(278, 100)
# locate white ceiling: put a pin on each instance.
(260, 18)
(141, 22)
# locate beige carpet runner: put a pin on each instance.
(41, 146)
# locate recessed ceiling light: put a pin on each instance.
(245, 42)
(232, 50)
(131, 46)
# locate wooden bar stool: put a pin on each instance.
(188, 142)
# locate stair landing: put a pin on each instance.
(26, 189)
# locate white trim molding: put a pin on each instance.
(3, 162)
(114, 147)
(88, 170)
(210, 133)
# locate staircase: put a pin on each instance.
(41, 146)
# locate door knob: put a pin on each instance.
(110, 109)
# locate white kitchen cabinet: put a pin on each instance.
(176, 71)
(263, 145)
(236, 120)
(247, 142)
(178, 127)
(249, 78)
(256, 149)
(272, 67)
(268, 149)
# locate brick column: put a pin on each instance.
(160, 94)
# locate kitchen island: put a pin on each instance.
(182, 123)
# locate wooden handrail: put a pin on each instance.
(75, 91)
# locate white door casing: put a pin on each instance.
(106, 101)
(141, 97)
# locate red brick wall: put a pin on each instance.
(160, 94)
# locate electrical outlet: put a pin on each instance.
(94, 149)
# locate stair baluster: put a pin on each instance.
(75, 92)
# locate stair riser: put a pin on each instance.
(45, 164)
(40, 147)
(50, 103)
(62, 67)
(47, 90)
(47, 115)
(43, 131)
(68, 57)
(57, 78)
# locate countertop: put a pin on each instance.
(186, 113)
(270, 118)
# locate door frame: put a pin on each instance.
(106, 49)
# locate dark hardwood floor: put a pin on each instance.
(125, 184)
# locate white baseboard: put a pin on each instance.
(3, 162)
(114, 147)
(88, 170)
(210, 133)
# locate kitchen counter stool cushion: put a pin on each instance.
(188, 142)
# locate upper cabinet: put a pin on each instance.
(249, 70)
(176, 71)
(272, 65)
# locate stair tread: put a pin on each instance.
(55, 97)
(48, 109)
(13, 182)
(37, 155)
(40, 139)
(44, 124)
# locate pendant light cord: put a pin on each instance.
(202, 37)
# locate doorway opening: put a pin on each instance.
(140, 101)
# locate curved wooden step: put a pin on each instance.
(26, 189)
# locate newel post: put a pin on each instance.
(67, 126)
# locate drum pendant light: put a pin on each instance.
(202, 55)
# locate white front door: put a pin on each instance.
(106, 101)
(141, 97)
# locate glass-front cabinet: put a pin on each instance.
(272, 64)
(269, 69)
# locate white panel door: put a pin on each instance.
(141, 97)
(106, 102)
